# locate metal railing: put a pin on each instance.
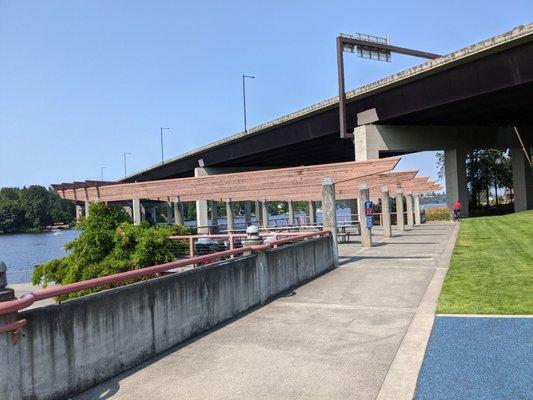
(28, 299)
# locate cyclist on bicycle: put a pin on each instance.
(457, 210)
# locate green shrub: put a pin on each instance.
(108, 244)
(437, 214)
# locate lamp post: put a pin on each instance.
(371, 47)
(102, 173)
(125, 169)
(162, 154)
(244, 97)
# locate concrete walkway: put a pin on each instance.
(357, 332)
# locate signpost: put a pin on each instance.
(369, 213)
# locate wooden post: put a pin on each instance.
(385, 212)
(366, 233)
(229, 216)
(329, 212)
(399, 210)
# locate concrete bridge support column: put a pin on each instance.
(367, 143)
(366, 233)
(311, 208)
(178, 212)
(385, 212)
(229, 216)
(455, 172)
(329, 212)
(522, 180)
(247, 213)
(418, 219)
(137, 211)
(264, 214)
(409, 209)
(87, 205)
(291, 212)
(399, 210)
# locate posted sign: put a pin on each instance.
(369, 213)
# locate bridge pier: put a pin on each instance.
(522, 180)
(455, 172)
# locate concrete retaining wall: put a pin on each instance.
(70, 347)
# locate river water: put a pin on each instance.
(22, 251)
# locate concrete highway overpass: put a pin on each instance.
(469, 99)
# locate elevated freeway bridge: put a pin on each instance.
(468, 99)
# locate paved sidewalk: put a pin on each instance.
(336, 337)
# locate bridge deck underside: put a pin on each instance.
(332, 338)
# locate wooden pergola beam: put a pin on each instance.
(228, 185)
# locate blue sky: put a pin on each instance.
(81, 82)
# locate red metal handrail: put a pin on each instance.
(28, 299)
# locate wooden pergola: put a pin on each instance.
(284, 184)
(360, 180)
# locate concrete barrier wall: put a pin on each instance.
(70, 347)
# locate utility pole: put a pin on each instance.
(162, 154)
(125, 169)
(102, 173)
(244, 97)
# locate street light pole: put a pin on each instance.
(102, 173)
(125, 169)
(162, 155)
(244, 97)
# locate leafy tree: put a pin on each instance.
(32, 208)
(485, 169)
(108, 244)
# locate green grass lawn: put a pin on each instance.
(491, 271)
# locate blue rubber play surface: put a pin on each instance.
(478, 358)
